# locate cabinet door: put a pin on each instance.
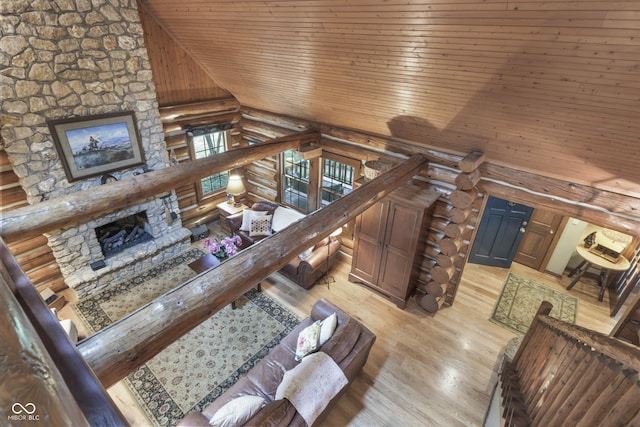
(368, 243)
(401, 237)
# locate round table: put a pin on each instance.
(598, 261)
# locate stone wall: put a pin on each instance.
(66, 58)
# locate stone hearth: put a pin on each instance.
(76, 248)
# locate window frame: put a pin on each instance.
(200, 194)
(310, 193)
(316, 173)
(348, 161)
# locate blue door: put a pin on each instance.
(499, 233)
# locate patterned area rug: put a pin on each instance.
(520, 299)
(197, 368)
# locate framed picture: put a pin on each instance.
(97, 145)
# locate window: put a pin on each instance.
(311, 184)
(296, 180)
(337, 180)
(207, 145)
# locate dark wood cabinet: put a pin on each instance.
(389, 240)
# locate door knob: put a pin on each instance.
(550, 231)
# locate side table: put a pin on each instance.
(225, 209)
(604, 264)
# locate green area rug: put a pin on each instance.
(194, 370)
(520, 299)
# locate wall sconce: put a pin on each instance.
(235, 187)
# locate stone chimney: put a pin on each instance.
(69, 58)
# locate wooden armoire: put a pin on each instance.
(389, 240)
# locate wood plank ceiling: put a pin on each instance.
(551, 87)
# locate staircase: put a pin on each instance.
(566, 375)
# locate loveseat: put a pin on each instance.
(304, 269)
(348, 347)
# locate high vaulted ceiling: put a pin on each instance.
(552, 87)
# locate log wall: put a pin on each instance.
(32, 254)
(455, 219)
(175, 118)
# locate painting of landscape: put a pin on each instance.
(96, 145)
(100, 145)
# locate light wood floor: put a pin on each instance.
(424, 370)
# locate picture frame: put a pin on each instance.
(96, 145)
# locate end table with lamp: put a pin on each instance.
(235, 188)
(225, 209)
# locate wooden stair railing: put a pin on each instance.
(566, 375)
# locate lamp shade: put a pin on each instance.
(235, 186)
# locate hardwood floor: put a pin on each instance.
(424, 370)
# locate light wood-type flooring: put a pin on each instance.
(424, 369)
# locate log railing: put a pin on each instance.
(564, 374)
(71, 209)
(42, 371)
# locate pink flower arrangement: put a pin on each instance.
(227, 247)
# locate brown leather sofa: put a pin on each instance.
(349, 347)
(304, 272)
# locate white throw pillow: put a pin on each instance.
(237, 412)
(308, 340)
(260, 226)
(327, 327)
(283, 217)
(247, 214)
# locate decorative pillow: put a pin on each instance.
(284, 217)
(304, 255)
(247, 214)
(327, 327)
(260, 226)
(275, 414)
(237, 412)
(308, 340)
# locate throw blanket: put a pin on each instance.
(311, 385)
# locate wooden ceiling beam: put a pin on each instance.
(119, 349)
(381, 144)
(583, 196)
(74, 208)
(599, 206)
(204, 108)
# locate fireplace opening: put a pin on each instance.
(123, 233)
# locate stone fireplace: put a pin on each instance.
(72, 58)
(77, 249)
(123, 233)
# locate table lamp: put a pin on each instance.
(235, 187)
